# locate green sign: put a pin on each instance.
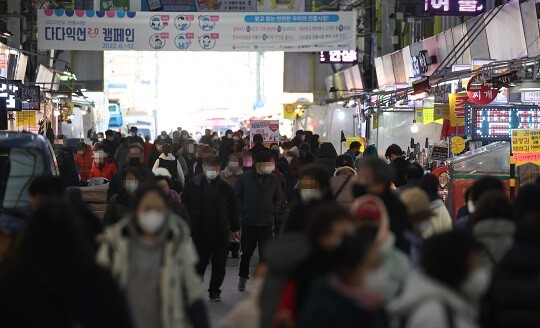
(114, 5)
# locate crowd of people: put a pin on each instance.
(350, 240)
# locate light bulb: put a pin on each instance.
(341, 115)
(414, 127)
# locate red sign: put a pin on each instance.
(480, 93)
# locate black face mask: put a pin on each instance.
(359, 190)
(134, 161)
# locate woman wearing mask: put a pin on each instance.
(163, 179)
(188, 153)
(119, 204)
(176, 150)
(232, 170)
(103, 167)
(238, 143)
(84, 160)
(452, 279)
(247, 162)
(216, 143)
(168, 161)
(152, 258)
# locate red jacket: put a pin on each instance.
(148, 146)
(84, 163)
(109, 169)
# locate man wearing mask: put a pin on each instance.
(110, 143)
(66, 162)
(164, 137)
(298, 139)
(395, 155)
(207, 138)
(258, 145)
(134, 137)
(135, 158)
(258, 195)
(354, 150)
(212, 209)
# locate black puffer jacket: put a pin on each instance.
(66, 165)
(258, 198)
(400, 166)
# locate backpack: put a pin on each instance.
(172, 167)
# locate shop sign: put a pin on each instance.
(27, 117)
(116, 5)
(438, 153)
(481, 93)
(289, 111)
(350, 140)
(455, 7)
(269, 129)
(338, 57)
(496, 123)
(526, 141)
(531, 96)
(457, 145)
(419, 115)
(457, 104)
(442, 112)
(116, 30)
(428, 115)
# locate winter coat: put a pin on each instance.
(116, 184)
(170, 163)
(258, 148)
(120, 157)
(327, 157)
(396, 266)
(497, 236)
(440, 220)
(117, 208)
(398, 218)
(84, 163)
(180, 285)
(258, 202)
(346, 196)
(427, 303)
(183, 165)
(226, 148)
(230, 175)
(514, 297)
(193, 198)
(109, 169)
(66, 166)
(281, 214)
(400, 166)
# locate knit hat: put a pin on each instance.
(161, 171)
(417, 203)
(369, 210)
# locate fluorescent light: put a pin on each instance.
(528, 85)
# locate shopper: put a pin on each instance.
(395, 155)
(163, 179)
(120, 157)
(53, 280)
(298, 139)
(66, 162)
(212, 209)
(343, 180)
(207, 138)
(233, 169)
(413, 174)
(121, 204)
(153, 259)
(419, 215)
(327, 157)
(168, 161)
(258, 145)
(258, 196)
(281, 214)
(305, 156)
(354, 150)
(110, 143)
(226, 148)
(247, 162)
(188, 153)
(134, 158)
(442, 294)
(155, 153)
(440, 220)
(134, 137)
(148, 148)
(83, 161)
(164, 137)
(103, 167)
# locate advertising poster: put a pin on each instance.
(146, 31)
(117, 5)
(26, 118)
(269, 129)
(199, 5)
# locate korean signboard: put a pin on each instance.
(457, 103)
(199, 5)
(118, 5)
(481, 93)
(455, 7)
(117, 30)
(526, 146)
(27, 118)
(350, 140)
(269, 129)
(338, 57)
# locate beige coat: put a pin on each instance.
(179, 280)
(230, 176)
(346, 197)
(440, 220)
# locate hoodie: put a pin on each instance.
(424, 303)
(497, 236)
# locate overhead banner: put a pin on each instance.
(117, 30)
(199, 5)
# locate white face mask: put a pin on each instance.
(310, 194)
(151, 221)
(81, 152)
(100, 139)
(268, 169)
(236, 138)
(471, 207)
(233, 165)
(477, 283)
(211, 174)
(229, 136)
(131, 185)
(376, 280)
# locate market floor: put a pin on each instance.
(230, 295)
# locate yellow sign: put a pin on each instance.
(350, 140)
(457, 145)
(526, 146)
(419, 115)
(428, 115)
(376, 121)
(289, 111)
(26, 118)
(457, 102)
(442, 112)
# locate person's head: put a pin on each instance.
(493, 205)
(264, 163)
(163, 135)
(44, 189)
(344, 161)
(304, 149)
(82, 148)
(258, 139)
(392, 152)
(133, 131)
(286, 146)
(236, 136)
(208, 132)
(150, 208)
(99, 157)
(414, 172)
(229, 134)
(355, 148)
(163, 179)
(418, 210)
(147, 138)
(176, 135)
(189, 147)
(357, 258)
(135, 154)
(184, 135)
(211, 167)
(370, 211)
(480, 188)
(131, 179)
(453, 259)
(234, 161)
(308, 135)
(241, 133)
(430, 184)
(327, 149)
(247, 161)
(314, 183)
(109, 134)
(528, 215)
(374, 176)
(60, 140)
(300, 134)
(274, 146)
(327, 227)
(176, 149)
(370, 151)
(166, 149)
(203, 152)
(100, 136)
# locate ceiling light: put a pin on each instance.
(528, 85)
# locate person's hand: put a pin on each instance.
(235, 235)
